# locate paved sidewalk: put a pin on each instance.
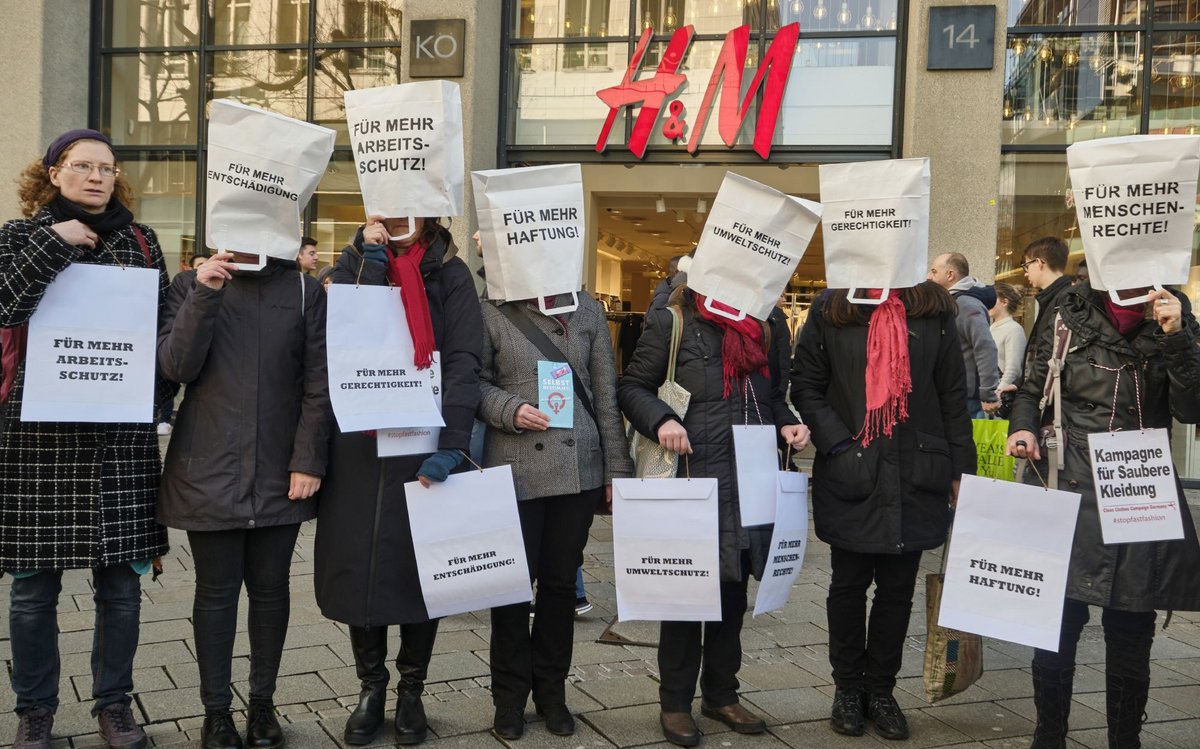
(785, 674)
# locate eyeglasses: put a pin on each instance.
(1025, 265)
(85, 168)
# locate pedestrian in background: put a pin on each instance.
(1009, 337)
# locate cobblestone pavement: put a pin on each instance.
(613, 689)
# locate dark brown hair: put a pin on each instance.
(926, 299)
(1050, 250)
(35, 190)
(1008, 294)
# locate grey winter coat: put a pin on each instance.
(1129, 577)
(710, 416)
(256, 408)
(975, 338)
(554, 461)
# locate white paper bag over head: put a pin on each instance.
(1135, 201)
(262, 170)
(531, 224)
(875, 226)
(751, 245)
(408, 148)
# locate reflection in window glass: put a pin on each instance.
(1060, 89)
(1075, 12)
(256, 78)
(338, 71)
(551, 19)
(1174, 104)
(152, 23)
(237, 22)
(337, 208)
(1033, 202)
(165, 188)
(833, 15)
(553, 103)
(150, 99)
(359, 20)
(664, 16)
(840, 92)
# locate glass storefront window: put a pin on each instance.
(552, 96)
(1174, 96)
(833, 15)
(554, 19)
(337, 208)
(1034, 202)
(152, 23)
(840, 92)
(698, 66)
(340, 70)
(1082, 13)
(358, 20)
(150, 99)
(664, 16)
(268, 79)
(251, 22)
(1177, 11)
(165, 187)
(1063, 88)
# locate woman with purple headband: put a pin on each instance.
(72, 495)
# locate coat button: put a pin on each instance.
(1090, 406)
(251, 524)
(537, 446)
(570, 442)
(558, 332)
(1073, 484)
(1130, 410)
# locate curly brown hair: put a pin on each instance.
(34, 189)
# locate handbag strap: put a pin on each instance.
(1052, 396)
(676, 339)
(141, 240)
(517, 316)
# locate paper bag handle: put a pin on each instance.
(708, 305)
(1131, 301)
(574, 305)
(883, 295)
(412, 229)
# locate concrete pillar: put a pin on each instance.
(953, 117)
(45, 83)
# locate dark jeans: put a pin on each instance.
(867, 655)
(33, 627)
(1128, 636)
(523, 661)
(711, 651)
(224, 560)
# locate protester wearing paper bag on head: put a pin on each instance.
(366, 571)
(735, 372)
(73, 495)
(1124, 369)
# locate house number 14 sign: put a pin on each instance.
(961, 37)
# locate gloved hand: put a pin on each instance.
(438, 466)
(376, 253)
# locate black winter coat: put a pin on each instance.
(710, 417)
(1130, 577)
(256, 408)
(893, 495)
(366, 569)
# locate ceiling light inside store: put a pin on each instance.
(660, 205)
(701, 205)
(679, 217)
(610, 241)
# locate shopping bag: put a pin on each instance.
(1135, 201)
(466, 536)
(789, 541)
(953, 659)
(263, 168)
(991, 440)
(531, 226)
(875, 224)
(665, 549)
(90, 347)
(650, 459)
(750, 246)
(414, 440)
(373, 383)
(756, 461)
(408, 148)
(1006, 573)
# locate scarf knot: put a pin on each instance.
(405, 271)
(888, 375)
(743, 350)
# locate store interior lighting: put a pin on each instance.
(701, 205)
(660, 205)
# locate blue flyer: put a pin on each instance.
(556, 393)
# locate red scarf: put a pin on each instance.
(405, 271)
(742, 347)
(1124, 319)
(888, 375)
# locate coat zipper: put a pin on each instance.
(374, 546)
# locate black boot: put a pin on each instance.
(1126, 708)
(416, 649)
(262, 726)
(1052, 689)
(370, 660)
(219, 733)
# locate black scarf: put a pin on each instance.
(115, 216)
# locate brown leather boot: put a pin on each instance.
(679, 728)
(736, 717)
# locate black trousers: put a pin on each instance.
(1128, 636)
(867, 654)
(261, 558)
(524, 660)
(711, 651)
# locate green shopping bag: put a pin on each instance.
(991, 436)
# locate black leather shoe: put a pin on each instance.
(679, 728)
(262, 726)
(364, 722)
(411, 726)
(848, 716)
(889, 721)
(559, 720)
(736, 717)
(218, 733)
(509, 723)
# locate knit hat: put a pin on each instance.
(67, 139)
